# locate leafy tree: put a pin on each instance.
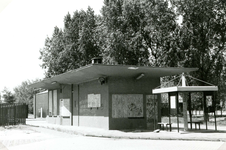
(160, 33)
(202, 37)
(123, 33)
(24, 94)
(139, 32)
(72, 47)
(52, 52)
(143, 33)
(88, 47)
(8, 96)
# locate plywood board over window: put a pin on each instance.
(54, 102)
(152, 108)
(50, 103)
(127, 105)
(65, 107)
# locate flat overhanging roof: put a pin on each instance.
(94, 71)
(185, 89)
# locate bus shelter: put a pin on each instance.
(184, 91)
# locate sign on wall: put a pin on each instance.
(94, 100)
(173, 102)
(127, 105)
(209, 101)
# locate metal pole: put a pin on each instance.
(214, 105)
(185, 116)
(177, 105)
(189, 109)
(154, 111)
(204, 108)
(169, 110)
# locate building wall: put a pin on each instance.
(41, 101)
(126, 87)
(103, 117)
(90, 116)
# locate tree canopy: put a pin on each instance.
(24, 94)
(164, 33)
(8, 96)
(71, 47)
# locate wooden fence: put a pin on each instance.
(13, 114)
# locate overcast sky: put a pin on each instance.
(24, 25)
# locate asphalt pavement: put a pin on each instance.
(192, 135)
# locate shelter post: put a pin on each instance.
(177, 105)
(205, 109)
(189, 109)
(169, 109)
(185, 96)
(214, 101)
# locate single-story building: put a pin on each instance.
(106, 96)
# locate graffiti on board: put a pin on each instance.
(127, 105)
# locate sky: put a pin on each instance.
(24, 26)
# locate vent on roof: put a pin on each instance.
(97, 60)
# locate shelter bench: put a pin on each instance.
(196, 123)
(167, 125)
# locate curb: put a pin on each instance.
(128, 137)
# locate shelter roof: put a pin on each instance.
(95, 71)
(185, 89)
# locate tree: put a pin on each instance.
(88, 47)
(143, 33)
(24, 94)
(123, 25)
(139, 32)
(71, 47)
(202, 37)
(200, 41)
(8, 96)
(52, 53)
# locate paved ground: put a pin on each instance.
(37, 138)
(194, 135)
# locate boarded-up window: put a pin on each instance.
(55, 102)
(151, 108)
(65, 107)
(127, 105)
(50, 103)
